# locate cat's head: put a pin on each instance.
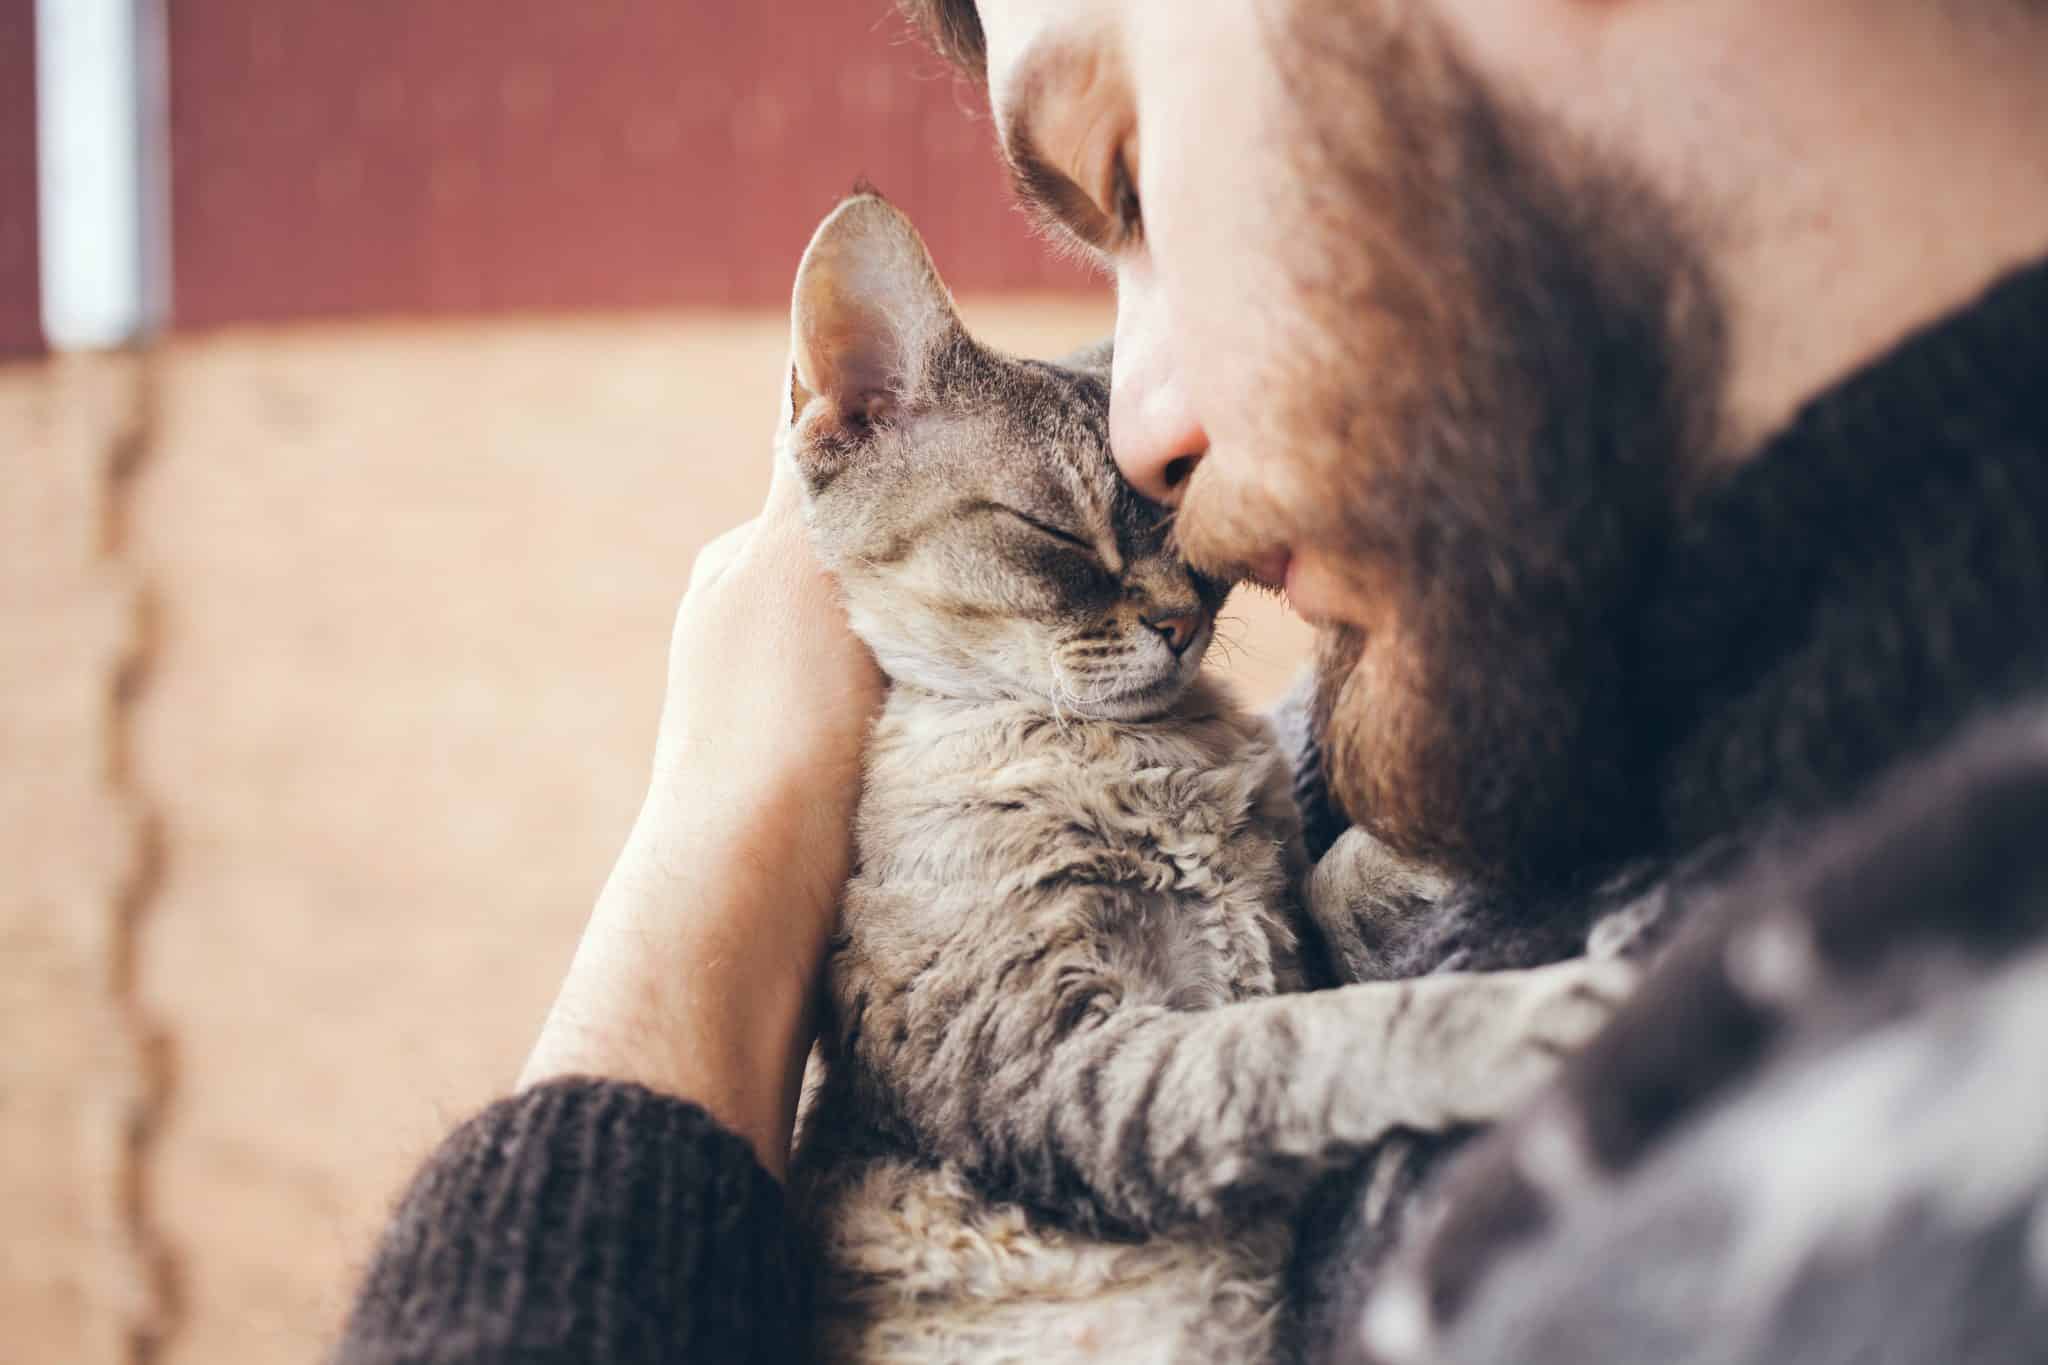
(967, 500)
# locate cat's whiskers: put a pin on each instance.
(1096, 682)
(1226, 635)
(1059, 686)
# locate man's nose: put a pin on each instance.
(1153, 430)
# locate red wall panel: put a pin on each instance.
(20, 296)
(399, 156)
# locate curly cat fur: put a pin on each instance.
(1011, 807)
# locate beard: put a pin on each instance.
(1500, 361)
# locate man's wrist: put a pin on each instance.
(778, 853)
(696, 973)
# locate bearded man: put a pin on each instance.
(1646, 399)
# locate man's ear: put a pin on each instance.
(868, 315)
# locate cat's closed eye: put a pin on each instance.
(1042, 527)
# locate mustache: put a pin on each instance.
(1232, 536)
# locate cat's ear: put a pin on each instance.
(868, 316)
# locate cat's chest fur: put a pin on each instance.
(980, 819)
(1009, 860)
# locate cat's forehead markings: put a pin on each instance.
(1137, 517)
(1093, 492)
(1112, 555)
(1054, 423)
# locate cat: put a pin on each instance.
(1072, 1079)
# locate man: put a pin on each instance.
(1645, 397)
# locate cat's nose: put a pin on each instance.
(1177, 628)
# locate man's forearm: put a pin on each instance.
(680, 985)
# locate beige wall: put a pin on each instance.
(403, 597)
(72, 1074)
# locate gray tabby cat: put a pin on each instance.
(1071, 1084)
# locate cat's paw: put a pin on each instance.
(1361, 896)
(1535, 1020)
(1359, 867)
(1564, 1005)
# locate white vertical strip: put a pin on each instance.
(90, 116)
(153, 165)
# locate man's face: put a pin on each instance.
(1391, 342)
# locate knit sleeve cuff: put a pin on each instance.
(584, 1220)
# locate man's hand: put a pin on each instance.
(769, 700)
(697, 969)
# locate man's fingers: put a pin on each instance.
(785, 494)
(717, 555)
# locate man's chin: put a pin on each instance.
(1366, 750)
(1487, 774)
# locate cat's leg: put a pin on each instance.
(1361, 895)
(1050, 1092)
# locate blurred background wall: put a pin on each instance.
(333, 610)
(20, 328)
